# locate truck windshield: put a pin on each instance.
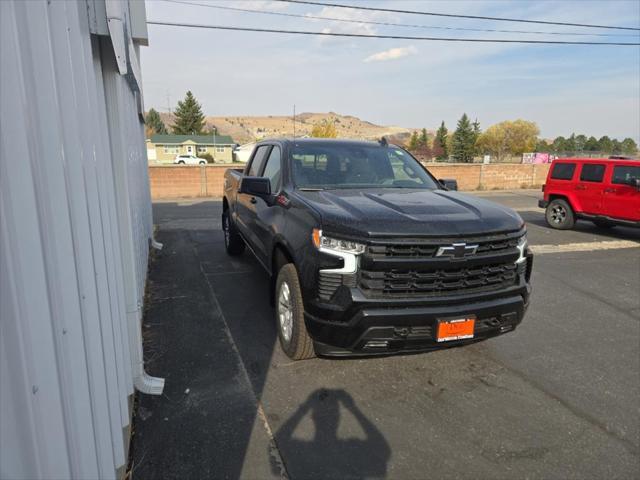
(356, 166)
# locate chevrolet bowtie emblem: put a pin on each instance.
(457, 250)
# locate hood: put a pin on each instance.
(392, 212)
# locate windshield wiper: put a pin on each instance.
(310, 189)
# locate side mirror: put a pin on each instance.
(448, 183)
(635, 182)
(257, 186)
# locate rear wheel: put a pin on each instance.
(292, 331)
(202, 163)
(559, 214)
(233, 242)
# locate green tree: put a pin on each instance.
(154, 123)
(605, 144)
(424, 138)
(476, 135)
(189, 117)
(616, 146)
(591, 145)
(558, 145)
(581, 141)
(464, 140)
(543, 146)
(324, 129)
(440, 144)
(414, 141)
(570, 143)
(629, 146)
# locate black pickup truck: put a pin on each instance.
(369, 254)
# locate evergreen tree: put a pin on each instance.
(616, 146)
(414, 141)
(476, 135)
(591, 145)
(558, 145)
(464, 140)
(155, 123)
(570, 144)
(424, 138)
(605, 144)
(629, 146)
(581, 141)
(189, 117)
(440, 145)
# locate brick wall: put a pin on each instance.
(173, 181)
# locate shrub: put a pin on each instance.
(206, 156)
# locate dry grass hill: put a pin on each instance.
(245, 129)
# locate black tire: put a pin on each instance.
(603, 224)
(233, 242)
(298, 345)
(559, 215)
(202, 163)
(181, 162)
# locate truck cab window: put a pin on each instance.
(258, 160)
(272, 169)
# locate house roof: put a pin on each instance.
(198, 139)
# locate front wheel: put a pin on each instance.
(292, 331)
(233, 242)
(559, 215)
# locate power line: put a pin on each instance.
(451, 15)
(393, 37)
(391, 24)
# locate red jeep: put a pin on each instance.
(605, 191)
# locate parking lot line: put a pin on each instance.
(584, 246)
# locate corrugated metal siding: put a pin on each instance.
(75, 225)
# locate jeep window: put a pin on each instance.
(258, 160)
(272, 169)
(357, 166)
(563, 171)
(624, 174)
(591, 172)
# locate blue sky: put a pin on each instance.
(593, 90)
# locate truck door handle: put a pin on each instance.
(253, 200)
(580, 187)
(609, 190)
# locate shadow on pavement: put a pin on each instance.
(325, 454)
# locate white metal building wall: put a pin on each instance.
(75, 227)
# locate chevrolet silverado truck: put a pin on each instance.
(369, 254)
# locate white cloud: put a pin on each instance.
(392, 54)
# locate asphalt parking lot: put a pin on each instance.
(557, 398)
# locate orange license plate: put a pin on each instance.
(456, 329)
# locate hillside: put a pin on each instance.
(245, 129)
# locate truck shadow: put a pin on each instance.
(323, 454)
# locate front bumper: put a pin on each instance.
(543, 203)
(380, 329)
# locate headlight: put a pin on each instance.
(322, 242)
(522, 247)
(345, 249)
